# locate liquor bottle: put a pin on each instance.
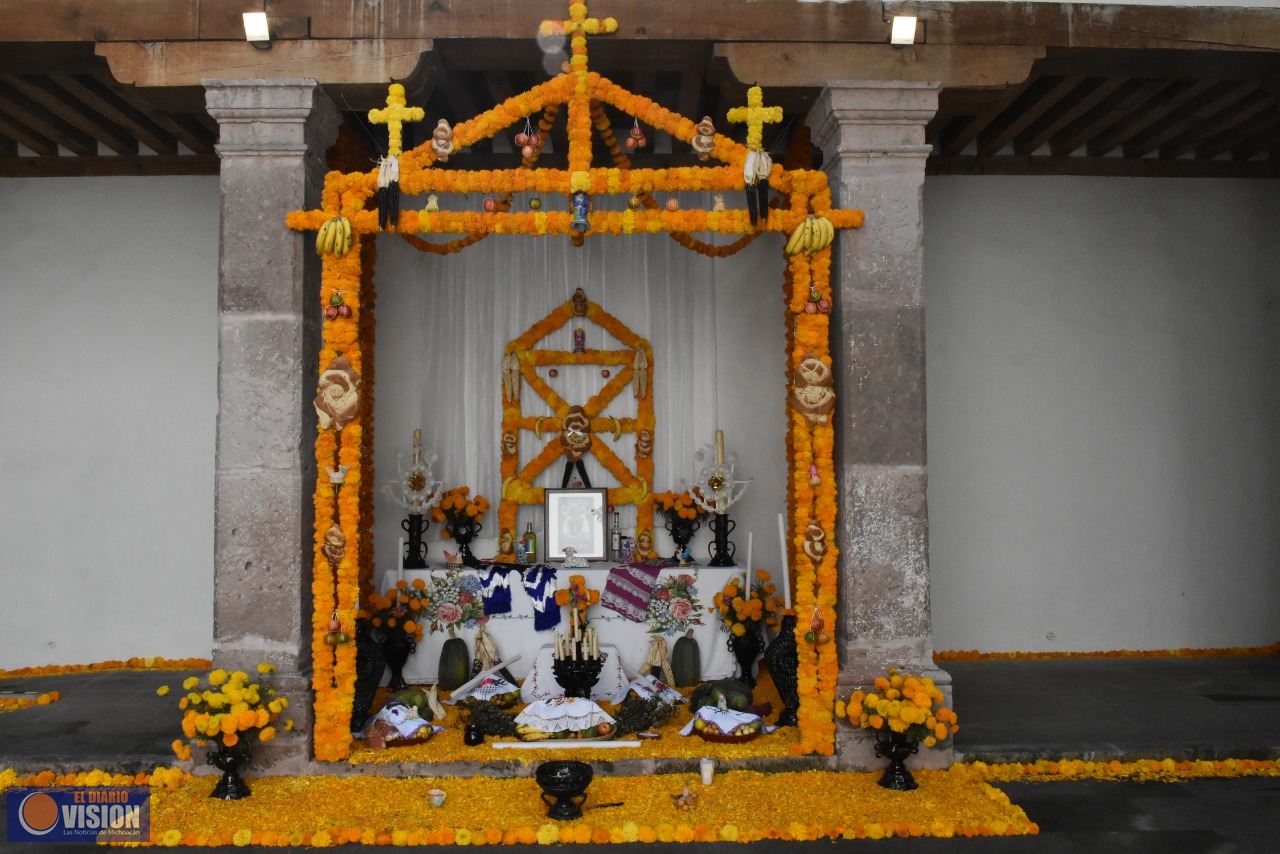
(615, 540)
(531, 544)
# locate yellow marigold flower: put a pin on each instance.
(876, 722)
(217, 677)
(190, 682)
(266, 667)
(630, 832)
(548, 834)
(321, 839)
(399, 837)
(729, 833)
(239, 677)
(267, 733)
(242, 837)
(261, 717)
(930, 741)
(170, 838)
(162, 690)
(288, 725)
(739, 629)
(230, 739)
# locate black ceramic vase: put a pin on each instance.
(464, 531)
(398, 646)
(896, 747)
(371, 663)
(564, 787)
(415, 556)
(230, 760)
(746, 650)
(783, 659)
(681, 531)
(721, 548)
(577, 677)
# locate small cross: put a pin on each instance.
(578, 22)
(394, 116)
(755, 114)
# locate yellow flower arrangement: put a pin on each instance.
(744, 608)
(399, 609)
(910, 706)
(455, 509)
(678, 504)
(230, 707)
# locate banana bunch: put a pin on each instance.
(524, 732)
(334, 237)
(812, 235)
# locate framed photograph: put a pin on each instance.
(576, 518)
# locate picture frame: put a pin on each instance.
(577, 518)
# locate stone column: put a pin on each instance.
(273, 136)
(872, 137)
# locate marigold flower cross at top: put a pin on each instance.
(755, 115)
(394, 116)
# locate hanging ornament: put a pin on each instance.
(635, 202)
(489, 204)
(553, 373)
(814, 480)
(705, 139)
(535, 203)
(636, 139)
(581, 204)
(673, 204)
(433, 203)
(605, 373)
(442, 141)
(718, 205)
(337, 307)
(521, 139)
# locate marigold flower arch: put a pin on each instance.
(811, 482)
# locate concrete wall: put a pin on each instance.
(108, 326)
(1103, 412)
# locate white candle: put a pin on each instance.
(707, 767)
(400, 561)
(719, 447)
(595, 644)
(417, 445)
(750, 541)
(782, 541)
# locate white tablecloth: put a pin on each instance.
(541, 683)
(514, 632)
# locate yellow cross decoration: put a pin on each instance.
(394, 116)
(755, 114)
(578, 27)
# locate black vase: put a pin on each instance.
(398, 646)
(464, 531)
(896, 747)
(746, 649)
(371, 663)
(577, 676)
(415, 556)
(229, 760)
(681, 531)
(722, 550)
(472, 736)
(783, 659)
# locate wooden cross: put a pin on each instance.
(755, 114)
(394, 116)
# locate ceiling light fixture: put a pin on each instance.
(256, 30)
(904, 30)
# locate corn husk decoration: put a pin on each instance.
(758, 164)
(394, 116)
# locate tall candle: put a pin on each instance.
(400, 561)
(786, 583)
(417, 445)
(719, 447)
(750, 538)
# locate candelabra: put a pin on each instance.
(417, 492)
(716, 491)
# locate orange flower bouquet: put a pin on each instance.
(683, 519)
(234, 713)
(744, 609)
(903, 711)
(396, 619)
(461, 517)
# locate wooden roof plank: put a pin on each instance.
(1068, 110)
(1225, 120)
(1166, 102)
(991, 141)
(1217, 99)
(100, 98)
(969, 132)
(17, 132)
(1261, 144)
(1238, 136)
(101, 165)
(1123, 103)
(75, 113)
(1150, 167)
(39, 120)
(197, 140)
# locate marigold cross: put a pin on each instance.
(394, 116)
(578, 26)
(754, 115)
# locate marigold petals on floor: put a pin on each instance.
(1184, 652)
(740, 806)
(13, 704)
(147, 663)
(1141, 770)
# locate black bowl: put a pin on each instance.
(564, 780)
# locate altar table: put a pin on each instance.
(514, 634)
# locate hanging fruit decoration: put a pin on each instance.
(336, 635)
(527, 140)
(635, 202)
(817, 303)
(535, 204)
(673, 204)
(817, 630)
(337, 307)
(636, 139)
(489, 204)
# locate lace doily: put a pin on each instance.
(563, 713)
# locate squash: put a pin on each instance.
(736, 694)
(455, 664)
(686, 661)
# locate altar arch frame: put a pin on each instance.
(345, 501)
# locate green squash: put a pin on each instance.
(455, 664)
(686, 661)
(736, 694)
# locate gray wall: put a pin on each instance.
(108, 330)
(1103, 409)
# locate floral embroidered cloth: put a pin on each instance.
(628, 588)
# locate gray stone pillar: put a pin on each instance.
(273, 136)
(872, 138)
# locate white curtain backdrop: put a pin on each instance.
(443, 323)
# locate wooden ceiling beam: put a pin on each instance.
(1238, 136)
(1267, 141)
(1165, 103)
(976, 125)
(1069, 109)
(1002, 131)
(197, 140)
(15, 131)
(1215, 100)
(79, 115)
(39, 120)
(1109, 167)
(1229, 118)
(96, 96)
(1122, 103)
(76, 167)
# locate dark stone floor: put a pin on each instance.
(1009, 710)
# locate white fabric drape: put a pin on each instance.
(443, 324)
